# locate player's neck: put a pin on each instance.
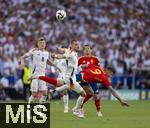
(71, 49)
(42, 49)
(88, 55)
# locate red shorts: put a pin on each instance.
(95, 74)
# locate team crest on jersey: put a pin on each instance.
(92, 61)
(84, 61)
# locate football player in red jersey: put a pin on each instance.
(92, 73)
(91, 89)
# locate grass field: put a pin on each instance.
(114, 116)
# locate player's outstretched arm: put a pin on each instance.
(52, 64)
(66, 55)
(59, 56)
(26, 55)
(115, 94)
(61, 50)
(22, 60)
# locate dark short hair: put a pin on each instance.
(41, 38)
(87, 45)
(74, 40)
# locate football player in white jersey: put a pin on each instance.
(69, 81)
(40, 58)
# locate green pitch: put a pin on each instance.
(115, 116)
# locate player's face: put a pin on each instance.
(76, 46)
(41, 44)
(87, 50)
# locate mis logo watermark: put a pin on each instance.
(23, 115)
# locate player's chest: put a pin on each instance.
(40, 56)
(88, 61)
(74, 59)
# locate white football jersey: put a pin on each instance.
(71, 63)
(61, 64)
(39, 59)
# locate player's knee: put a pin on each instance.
(83, 94)
(96, 97)
(62, 94)
(65, 92)
(34, 94)
(60, 82)
(44, 93)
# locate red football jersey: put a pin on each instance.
(91, 60)
(94, 74)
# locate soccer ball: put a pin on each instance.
(60, 15)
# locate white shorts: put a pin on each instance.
(38, 85)
(76, 86)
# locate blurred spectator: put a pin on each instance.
(19, 87)
(2, 93)
(117, 30)
(25, 79)
(4, 80)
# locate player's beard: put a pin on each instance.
(78, 49)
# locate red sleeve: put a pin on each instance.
(80, 61)
(96, 61)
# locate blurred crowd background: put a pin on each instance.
(117, 30)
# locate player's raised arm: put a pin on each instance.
(115, 94)
(61, 50)
(68, 54)
(26, 55)
(49, 62)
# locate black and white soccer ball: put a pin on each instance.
(60, 15)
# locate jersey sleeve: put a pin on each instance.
(31, 52)
(97, 61)
(68, 54)
(79, 61)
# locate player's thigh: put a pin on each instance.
(42, 86)
(34, 86)
(61, 82)
(63, 92)
(77, 87)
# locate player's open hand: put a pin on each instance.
(123, 103)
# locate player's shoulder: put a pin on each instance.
(46, 52)
(69, 51)
(94, 57)
(33, 50)
(82, 57)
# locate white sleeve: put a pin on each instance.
(68, 53)
(30, 53)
